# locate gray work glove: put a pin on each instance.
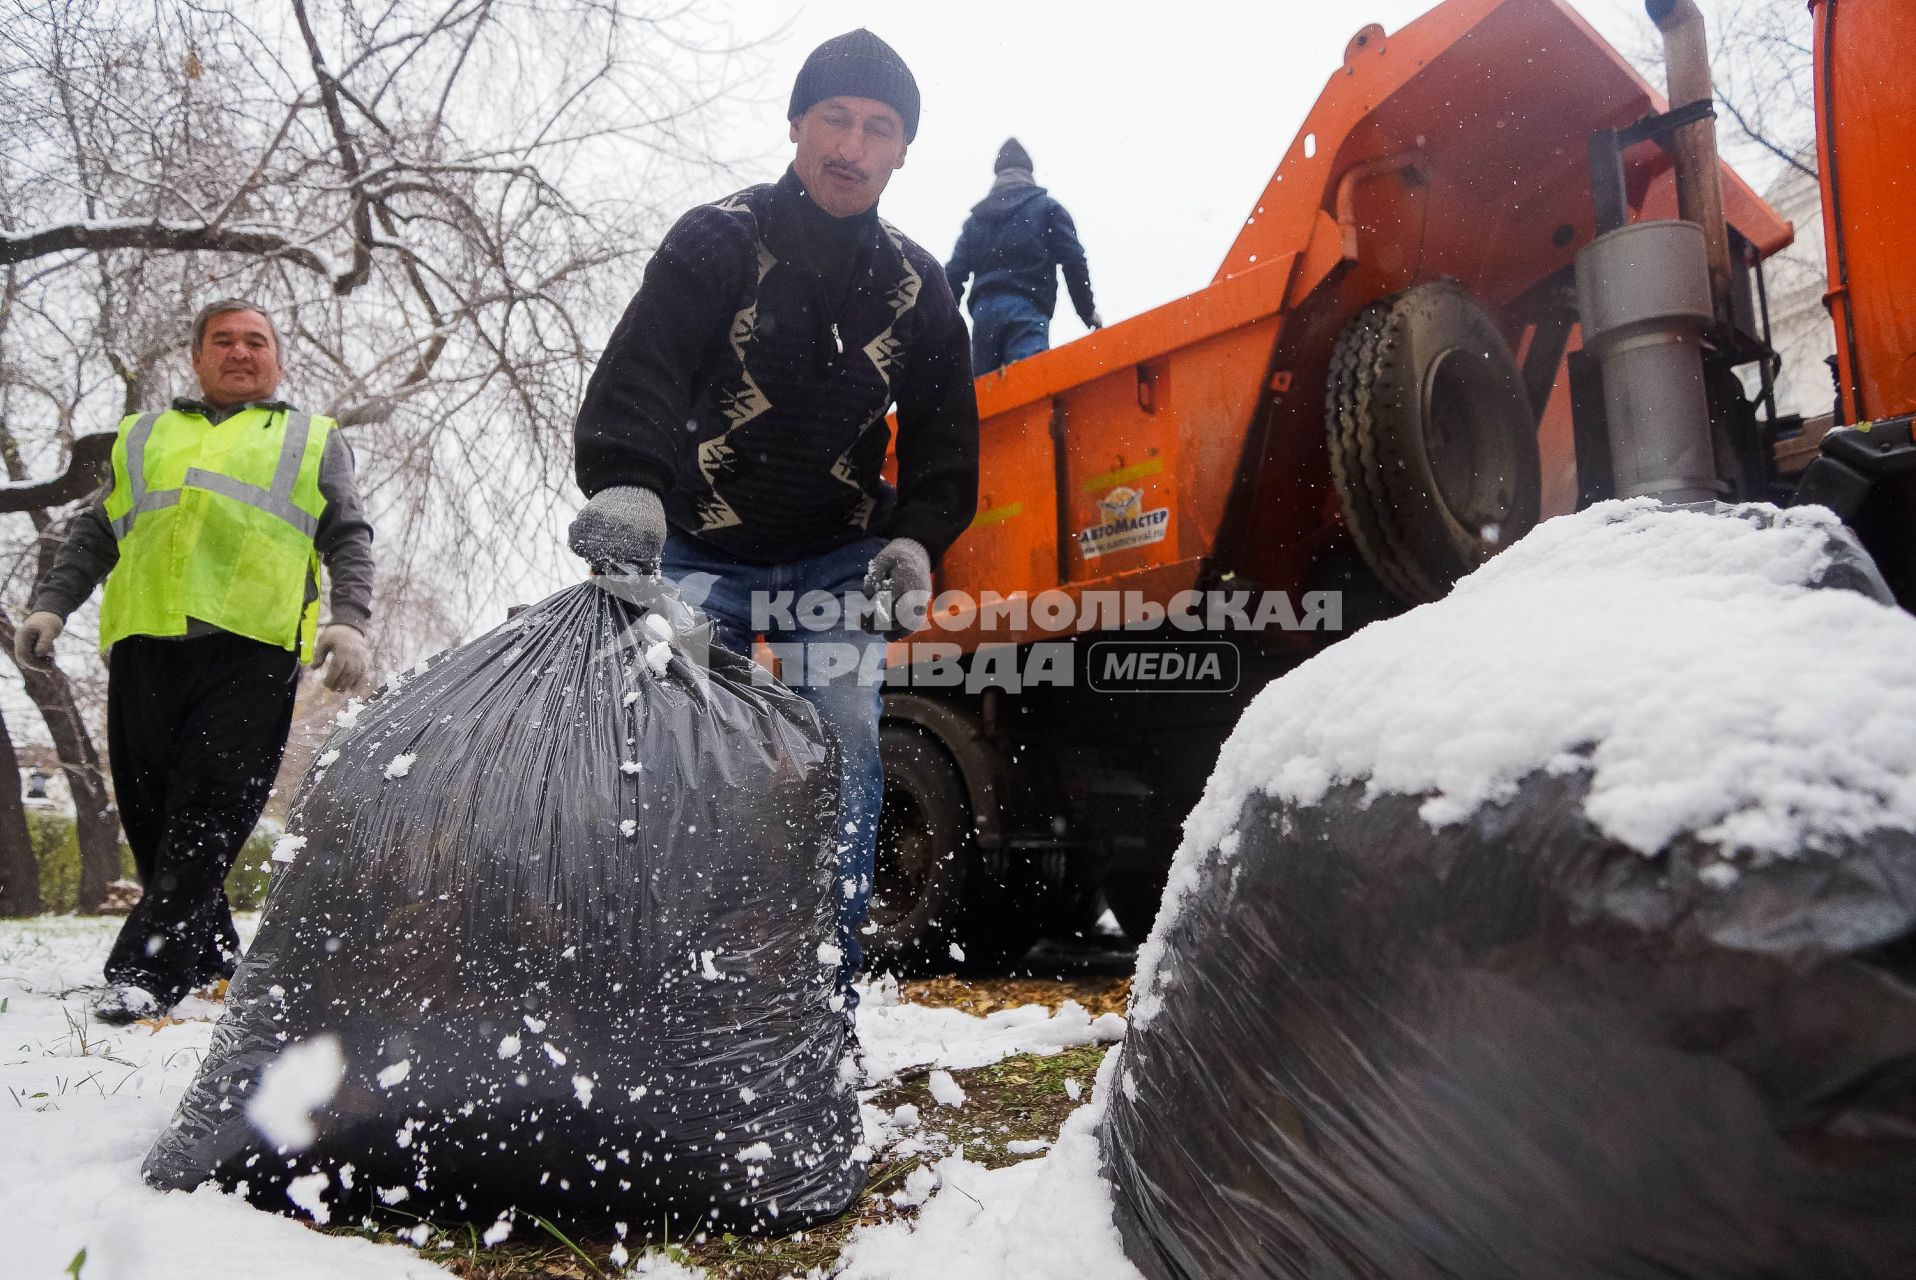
(899, 583)
(343, 651)
(1095, 322)
(33, 643)
(623, 525)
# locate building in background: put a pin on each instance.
(1796, 280)
(43, 784)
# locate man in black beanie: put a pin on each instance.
(1015, 241)
(734, 431)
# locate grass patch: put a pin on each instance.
(1022, 1097)
(1100, 993)
(56, 853)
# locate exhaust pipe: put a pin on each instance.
(1649, 292)
(1699, 180)
(1644, 294)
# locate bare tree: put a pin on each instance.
(1761, 54)
(1761, 60)
(432, 191)
(1765, 88)
(437, 198)
(19, 873)
(1760, 70)
(61, 709)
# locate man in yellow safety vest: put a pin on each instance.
(210, 540)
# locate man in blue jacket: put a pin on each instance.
(1015, 241)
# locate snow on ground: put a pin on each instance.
(895, 1036)
(85, 1101)
(1044, 1219)
(1672, 653)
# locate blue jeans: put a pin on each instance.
(813, 662)
(1006, 327)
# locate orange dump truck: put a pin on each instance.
(1866, 163)
(1378, 389)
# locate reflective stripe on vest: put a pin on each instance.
(215, 522)
(277, 501)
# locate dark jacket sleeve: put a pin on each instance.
(344, 538)
(84, 559)
(1061, 238)
(937, 429)
(959, 269)
(632, 427)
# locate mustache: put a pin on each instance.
(846, 170)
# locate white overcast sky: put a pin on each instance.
(1156, 124)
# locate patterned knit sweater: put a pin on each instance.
(749, 381)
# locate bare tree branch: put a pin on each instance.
(99, 237)
(348, 156)
(84, 472)
(1791, 159)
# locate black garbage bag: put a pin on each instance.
(1512, 1049)
(1382, 1038)
(555, 939)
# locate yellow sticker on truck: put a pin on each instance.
(1123, 523)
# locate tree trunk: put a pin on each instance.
(96, 823)
(19, 871)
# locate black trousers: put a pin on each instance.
(196, 728)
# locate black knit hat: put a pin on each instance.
(1012, 156)
(858, 65)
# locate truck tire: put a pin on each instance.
(924, 857)
(1433, 446)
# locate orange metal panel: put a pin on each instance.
(1147, 486)
(1253, 295)
(1012, 543)
(1126, 458)
(1498, 97)
(1866, 153)
(1150, 452)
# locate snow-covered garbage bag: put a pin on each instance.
(1564, 927)
(553, 935)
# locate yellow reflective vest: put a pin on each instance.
(215, 521)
